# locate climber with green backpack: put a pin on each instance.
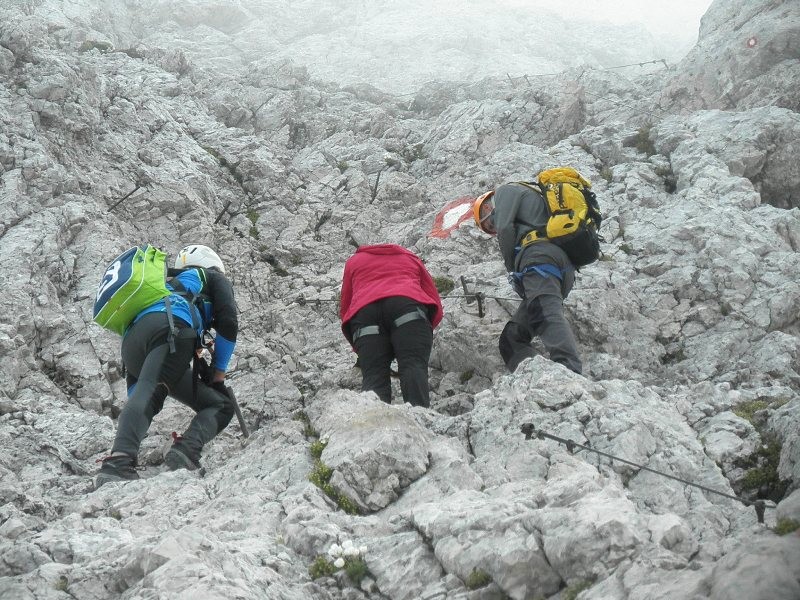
(163, 314)
(546, 230)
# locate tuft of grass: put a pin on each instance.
(342, 166)
(606, 174)
(466, 376)
(576, 588)
(786, 526)
(747, 410)
(478, 579)
(413, 153)
(643, 142)
(102, 46)
(62, 585)
(308, 428)
(321, 567)
(674, 357)
(444, 285)
(320, 476)
(115, 513)
(764, 477)
(356, 570)
(316, 448)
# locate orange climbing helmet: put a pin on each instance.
(483, 211)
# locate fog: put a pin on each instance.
(398, 46)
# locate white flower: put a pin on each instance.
(335, 550)
(362, 551)
(338, 563)
(347, 544)
(351, 551)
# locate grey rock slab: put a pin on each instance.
(375, 450)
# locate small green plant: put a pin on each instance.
(763, 476)
(642, 141)
(445, 285)
(62, 585)
(786, 526)
(747, 410)
(412, 153)
(606, 174)
(321, 567)
(115, 513)
(350, 558)
(576, 588)
(673, 357)
(217, 156)
(466, 376)
(308, 428)
(320, 476)
(316, 448)
(478, 578)
(253, 216)
(356, 570)
(626, 248)
(103, 47)
(342, 166)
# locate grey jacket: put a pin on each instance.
(518, 210)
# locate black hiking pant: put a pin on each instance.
(154, 373)
(394, 328)
(541, 314)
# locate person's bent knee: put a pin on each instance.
(225, 414)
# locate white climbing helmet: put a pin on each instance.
(198, 256)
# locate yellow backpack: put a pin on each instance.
(575, 215)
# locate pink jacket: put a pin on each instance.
(383, 270)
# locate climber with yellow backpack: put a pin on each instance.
(546, 230)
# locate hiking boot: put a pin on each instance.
(116, 468)
(180, 456)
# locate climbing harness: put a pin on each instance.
(529, 431)
(544, 270)
(414, 315)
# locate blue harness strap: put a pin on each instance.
(543, 270)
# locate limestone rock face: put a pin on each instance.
(746, 56)
(225, 123)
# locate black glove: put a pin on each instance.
(221, 388)
(205, 372)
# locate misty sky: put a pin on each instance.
(680, 18)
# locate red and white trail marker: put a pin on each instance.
(451, 216)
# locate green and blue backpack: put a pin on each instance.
(132, 282)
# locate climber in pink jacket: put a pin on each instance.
(389, 308)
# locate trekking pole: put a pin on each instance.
(529, 431)
(238, 411)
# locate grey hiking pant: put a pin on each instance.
(154, 373)
(410, 343)
(541, 314)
